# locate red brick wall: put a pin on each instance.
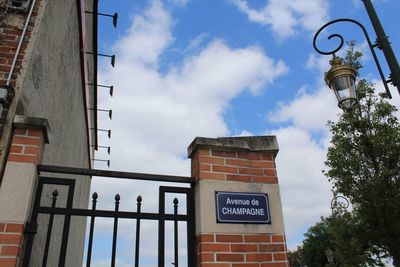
(9, 38)
(238, 250)
(10, 35)
(251, 167)
(247, 250)
(26, 146)
(11, 236)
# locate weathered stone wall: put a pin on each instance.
(48, 84)
(52, 88)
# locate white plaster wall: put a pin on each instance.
(50, 86)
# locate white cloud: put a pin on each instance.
(308, 111)
(196, 44)
(157, 114)
(318, 62)
(356, 3)
(287, 17)
(148, 36)
(178, 2)
(304, 190)
(161, 114)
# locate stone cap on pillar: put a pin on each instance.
(266, 143)
(21, 121)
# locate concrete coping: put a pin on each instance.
(21, 121)
(266, 143)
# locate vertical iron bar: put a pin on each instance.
(67, 222)
(29, 243)
(161, 228)
(176, 233)
(114, 245)
(139, 203)
(49, 229)
(89, 254)
(191, 236)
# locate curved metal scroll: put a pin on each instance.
(340, 202)
(341, 39)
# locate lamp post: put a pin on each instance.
(340, 77)
(329, 256)
(339, 205)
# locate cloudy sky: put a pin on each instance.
(214, 68)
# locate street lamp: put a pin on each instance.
(329, 255)
(340, 77)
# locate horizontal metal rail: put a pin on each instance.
(116, 174)
(112, 214)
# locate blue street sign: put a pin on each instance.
(244, 208)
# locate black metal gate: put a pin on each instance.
(67, 211)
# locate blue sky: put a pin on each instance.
(188, 68)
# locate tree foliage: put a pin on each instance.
(296, 258)
(341, 233)
(315, 244)
(364, 165)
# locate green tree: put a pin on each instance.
(315, 244)
(296, 258)
(364, 165)
(349, 243)
(342, 234)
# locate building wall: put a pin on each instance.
(52, 88)
(51, 84)
(48, 84)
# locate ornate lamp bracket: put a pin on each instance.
(341, 43)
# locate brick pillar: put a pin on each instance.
(18, 185)
(237, 164)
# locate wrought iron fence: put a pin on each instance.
(67, 211)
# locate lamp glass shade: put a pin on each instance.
(345, 91)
